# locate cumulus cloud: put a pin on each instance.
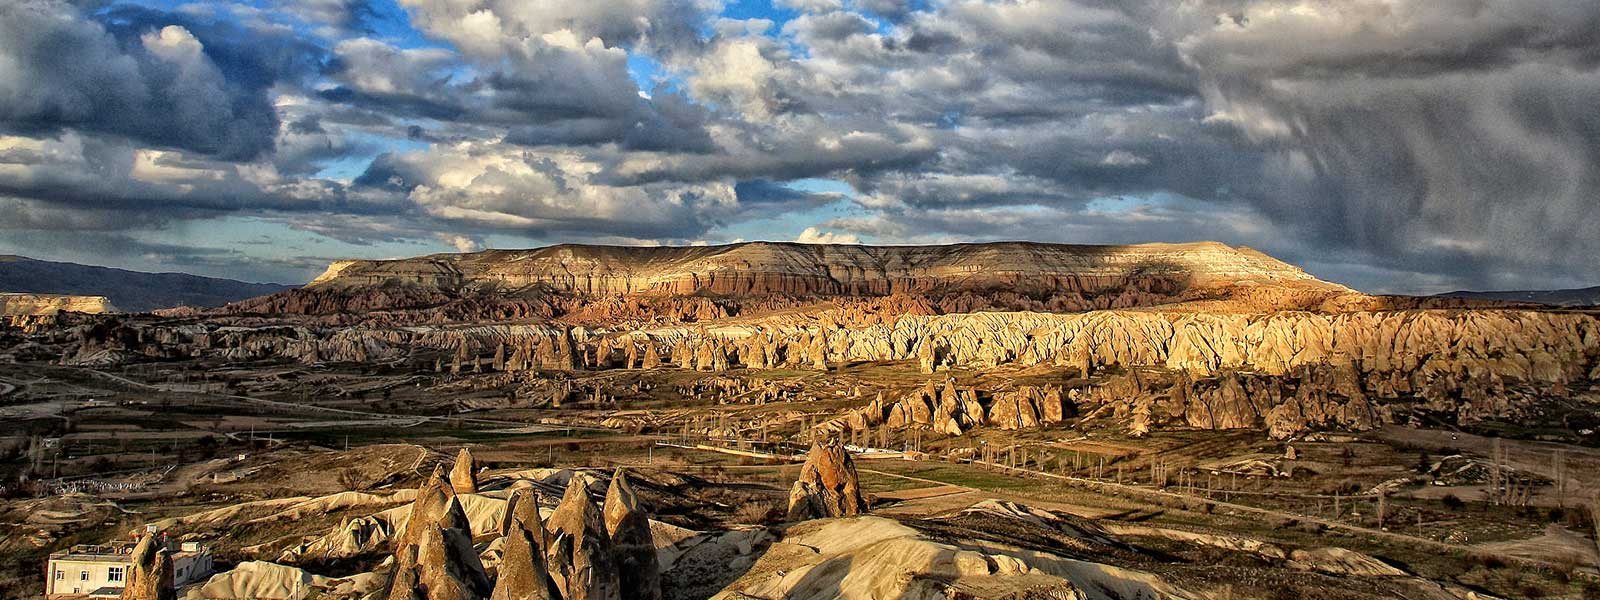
(160, 86)
(462, 243)
(1444, 144)
(812, 235)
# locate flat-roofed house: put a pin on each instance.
(102, 570)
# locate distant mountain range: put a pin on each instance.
(127, 290)
(1589, 296)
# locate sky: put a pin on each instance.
(1406, 146)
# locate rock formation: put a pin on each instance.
(13, 304)
(1462, 365)
(631, 543)
(434, 558)
(579, 555)
(764, 268)
(464, 474)
(523, 573)
(150, 575)
(828, 485)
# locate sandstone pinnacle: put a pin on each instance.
(579, 555)
(632, 545)
(150, 575)
(828, 485)
(464, 475)
(523, 572)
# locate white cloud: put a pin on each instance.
(814, 236)
(1123, 158)
(461, 243)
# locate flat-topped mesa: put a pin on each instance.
(771, 268)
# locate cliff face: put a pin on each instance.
(1288, 372)
(49, 304)
(765, 268)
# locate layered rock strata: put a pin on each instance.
(767, 268)
(13, 304)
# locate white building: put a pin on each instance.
(101, 571)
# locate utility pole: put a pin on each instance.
(1383, 507)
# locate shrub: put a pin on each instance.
(758, 513)
(351, 479)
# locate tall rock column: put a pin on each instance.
(579, 557)
(631, 544)
(150, 578)
(434, 558)
(464, 475)
(523, 572)
(828, 484)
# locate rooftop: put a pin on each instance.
(118, 551)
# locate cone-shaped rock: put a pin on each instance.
(464, 475)
(579, 555)
(434, 556)
(631, 544)
(150, 577)
(432, 505)
(522, 509)
(447, 567)
(828, 485)
(523, 572)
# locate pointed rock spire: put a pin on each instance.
(464, 475)
(434, 556)
(524, 575)
(631, 543)
(579, 555)
(828, 484)
(150, 577)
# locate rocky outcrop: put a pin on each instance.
(1309, 399)
(828, 485)
(150, 575)
(464, 474)
(1469, 365)
(579, 556)
(631, 543)
(522, 572)
(1027, 407)
(12, 304)
(434, 558)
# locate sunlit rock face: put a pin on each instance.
(828, 485)
(764, 268)
(50, 304)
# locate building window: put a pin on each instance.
(83, 575)
(114, 574)
(60, 575)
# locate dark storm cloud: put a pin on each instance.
(160, 79)
(1447, 135)
(1445, 144)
